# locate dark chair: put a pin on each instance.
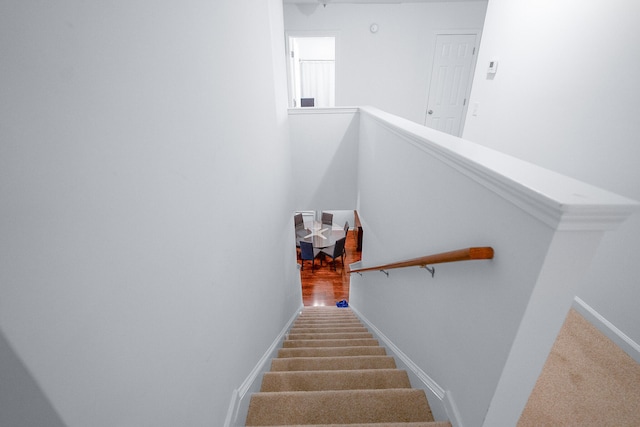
(299, 227)
(308, 253)
(327, 218)
(346, 233)
(336, 251)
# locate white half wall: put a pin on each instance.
(565, 96)
(138, 142)
(481, 330)
(324, 146)
(390, 69)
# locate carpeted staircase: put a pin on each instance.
(331, 371)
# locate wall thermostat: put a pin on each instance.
(493, 67)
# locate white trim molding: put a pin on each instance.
(441, 402)
(628, 345)
(323, 110)
(561, 202)
(239, 404)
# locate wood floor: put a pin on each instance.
(323, 286)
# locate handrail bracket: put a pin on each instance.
(431, 270)
(385, 272)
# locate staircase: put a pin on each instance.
(331, 371)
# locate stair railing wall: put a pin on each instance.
(324, 149)
(482, 331)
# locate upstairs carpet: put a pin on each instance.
(587, 381)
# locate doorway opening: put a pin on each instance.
(312, 71)
(324, 285)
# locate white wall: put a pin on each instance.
(137, 145)
(566, 97)
(324, 146)
(481, 329)
(22, 402)
(391, 68)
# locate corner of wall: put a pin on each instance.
(240, 397)
(22, 401)
(442, 405)
(628, 345)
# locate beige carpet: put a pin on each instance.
(586, 381)
(331, 371)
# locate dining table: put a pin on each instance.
(320, 235)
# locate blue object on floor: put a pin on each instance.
(342, 303)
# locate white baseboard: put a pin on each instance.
(628, 345)
(452, 410)
(239, 405)
(442, 405)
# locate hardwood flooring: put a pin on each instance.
(323, 286)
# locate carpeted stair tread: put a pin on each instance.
(321, 330)
(335, 380)
(416, 424)
(342, 406)
(350, 316)
(360, 342)
(326, 323)
(338, 318)
(332, 363)
(327, 319)
(356, 329)
(326, 309)
(325, 312)
(330, 313)
(329, 336)
(330, 372)
(305, 316)
(322, 322)
(332, 351)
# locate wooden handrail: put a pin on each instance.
(467, 254)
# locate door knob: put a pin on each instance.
(430, 112)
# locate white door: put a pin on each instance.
(453, 63)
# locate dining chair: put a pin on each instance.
(327, 218)
(308, 253)
(298, 220)
(335, 251)
(346, 234)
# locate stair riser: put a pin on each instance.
(329, 343)
(328, 330)
(332, 363)
(332, 351)
(330, 336)
(335, 380)
(328, 322)
(327, 313)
